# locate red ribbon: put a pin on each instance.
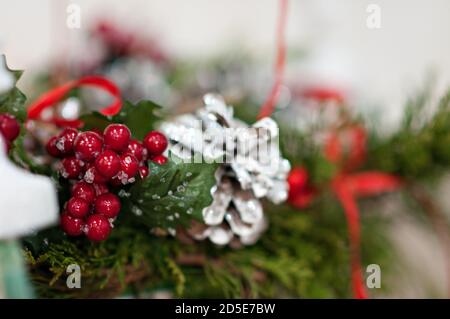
(348, 186)
(49, 99)
(269, 105)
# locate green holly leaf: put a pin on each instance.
(95, 120)
(140, 118)
(173, 194)
(12, 101)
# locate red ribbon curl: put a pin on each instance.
(50, 98)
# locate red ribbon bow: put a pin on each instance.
(49, 99)
(348, 186)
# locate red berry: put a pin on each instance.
(137, 149)
(72, 226)
(84, 190)
(100, 189)
(77, 207)
(143, 171)
(117, 136)
(129, 166)
(108, 163)
(65, 140)
(98, 227)
(107, 204)
(155, 142)
(301, 193)
(297, 179)
(51, 147)
(159, 159)
(87, 146)
(71, 167)
(92, 175)
(9, 127)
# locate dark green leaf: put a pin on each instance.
(140, 118)
(13, 101)
(95, 120)
(173, 193)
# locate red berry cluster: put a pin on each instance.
(97, 161)
(9, 129)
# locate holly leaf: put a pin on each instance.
(12, 101)
(173, 194)
(95, 120)
(140, 118)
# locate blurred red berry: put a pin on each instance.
(92, 175)
(108, 205)
(143, 171)
(108, 163)
(77, 207)
(98, 227)
(51, 147)
(72, 226)
(65, 140)
(137, 149)
(71, 167)
(129, 167)
(117, 137)
(84, 190)
(9, 127)
(155, 142)
(159, 159)
(88, 145)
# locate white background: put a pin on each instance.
(383, 65)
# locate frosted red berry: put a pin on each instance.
(72, 226)
(137, 149)
(108, 205)
(108, 163)
(143, 171)
(101, 162)
(51, 147)
(117, 137)
(155, 142)
(88, 145)
(98, 227)
(65, 140)
(71, 167)
(84, 190)
(129, 166)
(9, 127)
(92, 175)
(77, 207)
(159, 159)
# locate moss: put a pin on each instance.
(303, 254)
